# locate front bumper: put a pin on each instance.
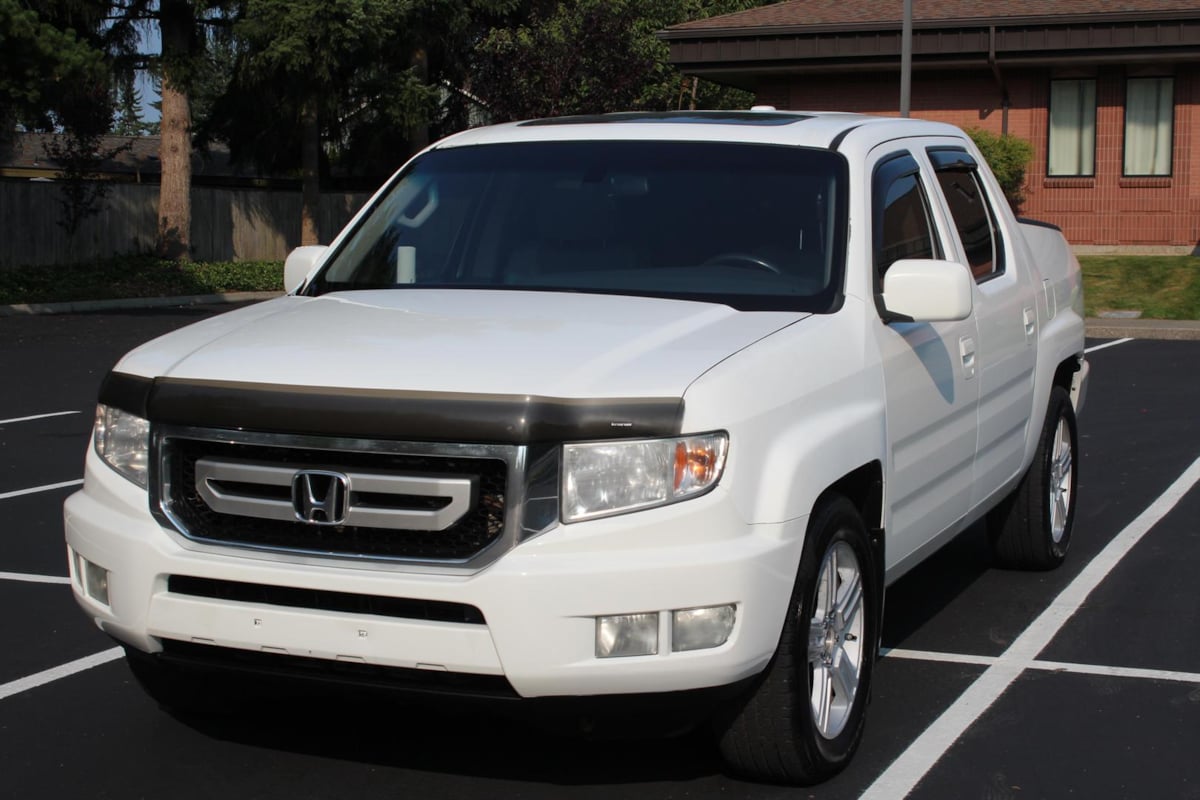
(539, 601)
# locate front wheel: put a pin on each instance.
(1031, 528)
(805, 717)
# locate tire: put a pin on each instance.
(1031, 528)
(804, 718)
(182, 691)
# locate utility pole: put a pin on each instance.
(906, 60)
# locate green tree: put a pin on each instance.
(392, 119)
(306, 56)
(593, 56)
(355, 81)
(129, 100)
(577, 57)
(38, 58)
(68, 91)
(186, 28)
(80, 150)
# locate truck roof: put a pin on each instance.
(763, 124)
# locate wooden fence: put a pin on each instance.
(227, 224)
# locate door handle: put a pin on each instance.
(966, 350)
(1030, 320)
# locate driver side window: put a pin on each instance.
(903, 227)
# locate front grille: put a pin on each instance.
(482, 523)
(321, 600)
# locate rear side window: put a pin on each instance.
(902, 227)
(958, 176)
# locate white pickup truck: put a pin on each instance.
(631, 406)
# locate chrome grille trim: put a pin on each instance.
(214, 475)
(513, 456)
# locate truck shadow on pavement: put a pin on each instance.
(478, 742)
(929, 589)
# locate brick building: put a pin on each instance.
(1107, 91)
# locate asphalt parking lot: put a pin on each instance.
(1084, 682)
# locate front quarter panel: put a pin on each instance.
(803, 408)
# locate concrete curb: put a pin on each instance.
(1174, 329)
(1096, 328)
(135, 303)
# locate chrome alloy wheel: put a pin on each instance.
(835, 645)
(1060, 480)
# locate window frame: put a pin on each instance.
(952, 158)
(1170, 173)
(1050, 128)
(887, 170)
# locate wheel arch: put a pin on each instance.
(863, 487)
(1064, 373)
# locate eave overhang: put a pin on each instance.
(745, 56)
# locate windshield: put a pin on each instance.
(750, 226)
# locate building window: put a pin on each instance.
(1072, 128)
(1149, 117)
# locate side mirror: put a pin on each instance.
(925, 290)
(299, 263)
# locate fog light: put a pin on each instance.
(701, 628)
(627, 635)
(93, 578)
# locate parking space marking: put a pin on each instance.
(902, 776)
(59, 672)
(1118, 672)
(933, 655)
(1047, 666)
(27, 578)
(39, 416)
(1113, 343)
(47, 488)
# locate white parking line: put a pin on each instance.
(1113, 343)
(1118, 672)
(38, 416)
(915, 762)
(932, 655)
(27, 578)
(61, 671)
(1048, 666)
(47, 488)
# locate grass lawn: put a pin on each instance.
(1161, 287)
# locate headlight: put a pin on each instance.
(122, 441)
(603, 478)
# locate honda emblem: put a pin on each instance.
(320, 497)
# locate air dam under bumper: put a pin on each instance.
(539, 601)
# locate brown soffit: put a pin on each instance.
(835, 16)
(734, 59)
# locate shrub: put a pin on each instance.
(1008, 157)
(136, 276)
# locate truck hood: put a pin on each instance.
(462, 341)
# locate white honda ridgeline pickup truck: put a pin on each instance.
(632, 406)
